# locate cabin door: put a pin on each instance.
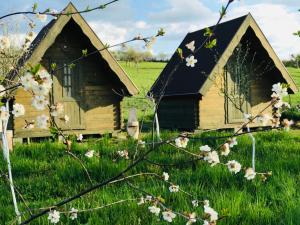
(66, 89)
(236, 97)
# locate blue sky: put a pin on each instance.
(127, 18)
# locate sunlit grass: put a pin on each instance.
(44, 174)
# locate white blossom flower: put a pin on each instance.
(181, 142)
(41, 121)
(232, 142)
(46, 78)
(123, 154)
(90, 153)
(191, 61)
(278, 104)
(205, 222)
(18, 110)
(29, 125)
(2, 90)
(233, 166)
(192, 218)
(28, 81)
(191, 46)
(211, 212)
(250, 174)
(287, 124)
(73, 214)
(141, 201)
(142, 143)
(41, 17)
(225, 149)
(54, 216)
(40, 89)
(264, 119)
(4, 42)
(168, 216)
(155, 210)
(79, 137)
(148, 198)
(280, 90)
(39, 102)
(206, 202)
(212, 158)
(56, 109)
(174, 188)
(195, 203)
(4, 115)
(205, 148)
(165, 176)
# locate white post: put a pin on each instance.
(157, 127)
(5, 148)
(253, 148)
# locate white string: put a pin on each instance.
(253, 147)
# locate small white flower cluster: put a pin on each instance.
(234, 166)
(211, 157)
(54, 215)
(210, 213)
(250, 174)
(191, 61)
(225, 148)
(40, 85)
(123, 154)
(56, 109)
(41, 17)
(174, 188)
(90, 153)
(279, 91)
(4, 42)
(181, 142)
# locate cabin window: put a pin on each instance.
(67, 81)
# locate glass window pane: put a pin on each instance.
(69, 81)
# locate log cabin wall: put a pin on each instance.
(92, 88)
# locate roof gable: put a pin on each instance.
(48, 34)
(197, 80)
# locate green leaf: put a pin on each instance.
(208, 32)
(222, 12)
(180, 53)
(161, 32)
(211, 44)
(35, 69)
(297, 33)
(84, 52)
(106, 45)
(53, 66)
(71, 66)
(102, 7)
(34, 7)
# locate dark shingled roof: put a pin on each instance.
(188, 80)
(41, 35)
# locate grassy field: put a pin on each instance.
(295, 99)
(143, 76)
(44, 174)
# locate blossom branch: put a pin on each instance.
(46, 12)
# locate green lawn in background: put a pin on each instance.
(295, 73)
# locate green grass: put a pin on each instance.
(295, 98)
(143, 76)
(44, 174)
